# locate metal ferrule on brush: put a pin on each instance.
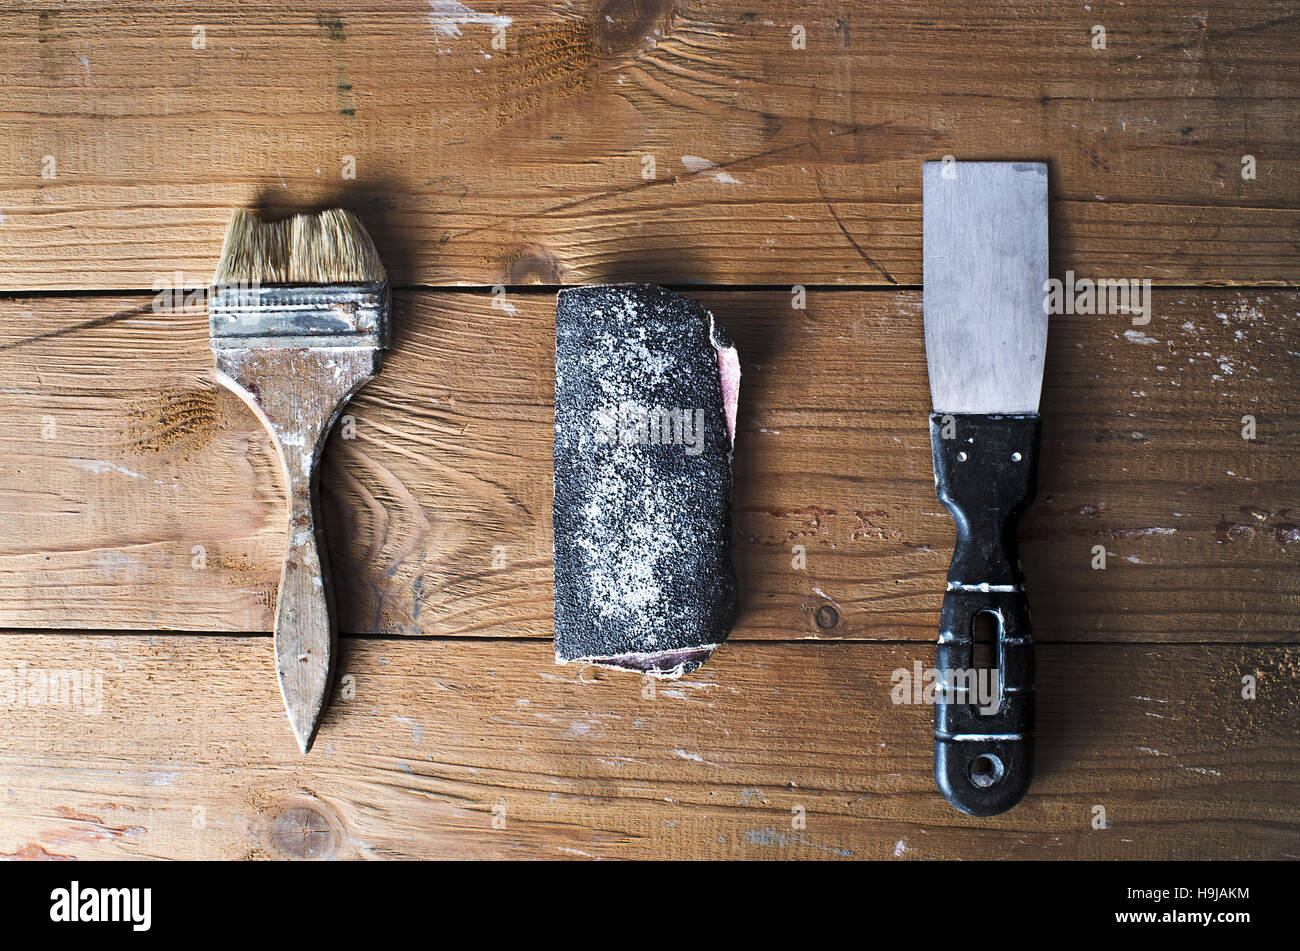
(300, 315)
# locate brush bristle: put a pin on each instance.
(331, 247)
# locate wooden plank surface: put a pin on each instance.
(188, 756)
(438, 510)
(142, 512)
(124, 147)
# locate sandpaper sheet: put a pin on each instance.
(646, 386)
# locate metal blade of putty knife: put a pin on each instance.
(985, 266)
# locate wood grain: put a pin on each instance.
(189, 756)
(156, 501)
(124, 147)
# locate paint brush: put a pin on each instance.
(299, 315)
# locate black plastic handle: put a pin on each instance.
(985, 471)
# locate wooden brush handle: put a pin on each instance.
(298, 392)
(304, 628)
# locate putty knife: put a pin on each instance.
(985, 265)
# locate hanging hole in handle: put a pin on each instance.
(985, 676)
(984, 638)
(986, 769)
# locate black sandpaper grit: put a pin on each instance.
(642, 511)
